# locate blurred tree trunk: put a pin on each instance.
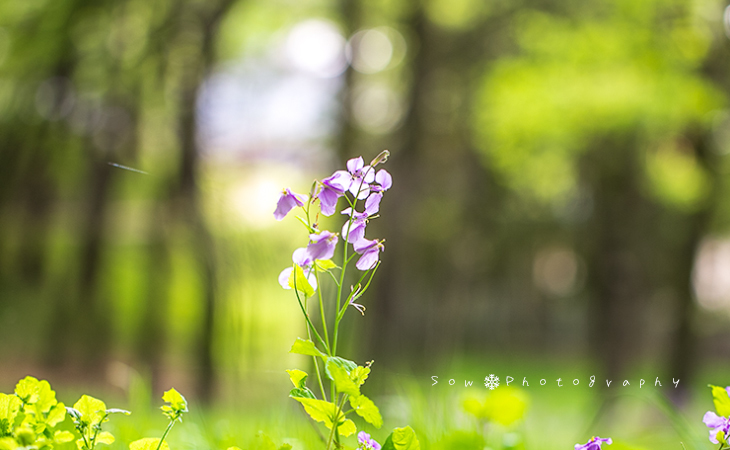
(683, 350)
(350, 11)
(390, 303)
(150, 339)
(616, 241)
(197, 67)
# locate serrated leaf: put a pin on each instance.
(9, 407)
(721, 399)
(365, 408)
(176, 400)
(318, 410)
(56, 415)
(342, 380)
(61, 437)
(402, 439)
(347, 428)
(92, 409)
(298, 377)
(360, 374)
(27, 389)
(324, 411)
(105, 437)
(307, 347)
(148, 444)
(46, 397)
(342, 363)
(298, 281)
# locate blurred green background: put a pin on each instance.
(559, 204)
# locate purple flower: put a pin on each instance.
(719, 426)
(287, 201)
(384, 181)
(333, 188)
(366, 442)
(361, 177)
(593, 444)
(370, 251)
(355, 231)
(322, 246)
(301, 258)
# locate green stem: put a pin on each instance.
(321, 305)
(306, 315)
(367, 285)
(164, 435)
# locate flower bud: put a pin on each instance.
(381, 158)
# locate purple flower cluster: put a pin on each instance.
(593, 444)
(719, 426)
(366, 443)
(363, 182)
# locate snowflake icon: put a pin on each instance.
(491, 382)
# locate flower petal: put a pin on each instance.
(283, 206)
(328, 200)
(301, 257)
(339, 180)
(284, 277)
(372, 204)
(712, 420)
(355, 164)
(355, 234)
(368, 260)
(384, 179)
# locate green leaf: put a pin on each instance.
(176, 400)
(92, 409)
(402, 439)
(285, 447)
(307, 347)
(721, 399)
(9, 407)
(342, 363)
(61, 437)
(301, 392)
(342, 380)
(27, 389)
(148, 444)
(56, 415)
(298, 377)
(324, 411)
(347, 428)
(105, 437)
(8, 443)
(365, 408)
(302, 284)
(318, 410)
(46, 397)
(360, 374)
(325, 264)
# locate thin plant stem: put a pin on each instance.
(321, 305)
(306, 315)
(164, 435)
